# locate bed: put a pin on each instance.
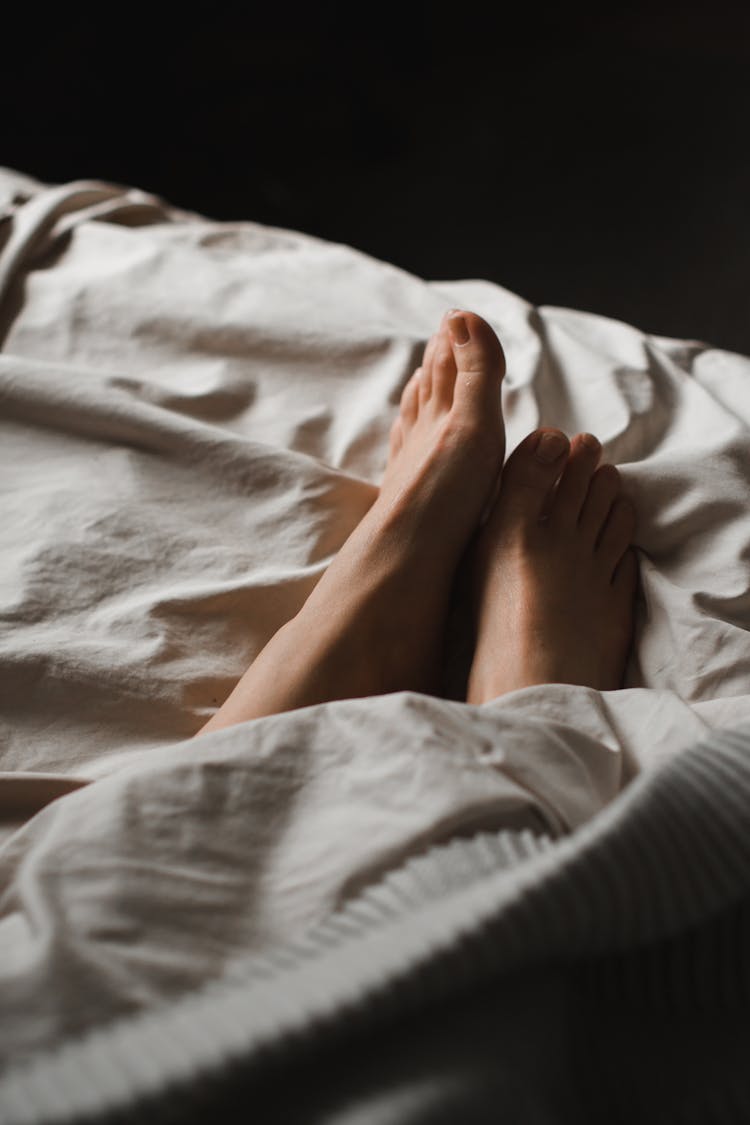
(193, 416)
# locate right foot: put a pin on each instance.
(556, 575)
(375, 622)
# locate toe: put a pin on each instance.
(429, 352)
(425, 381)
(396, 438)
(443, 372)
(573, 486)
(530, 473)
(410, 400)
(617, 534)
(425, 371)
(603, 491)
(480, 362)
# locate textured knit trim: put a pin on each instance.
(672, 851)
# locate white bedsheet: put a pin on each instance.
(193, 417)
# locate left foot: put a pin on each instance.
(556, 574)
(375, 621)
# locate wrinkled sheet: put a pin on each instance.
(193, 417)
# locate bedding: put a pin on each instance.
(602, 977)
(193, 416)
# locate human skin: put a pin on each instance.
(554, 576)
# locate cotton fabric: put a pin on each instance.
(193, 417)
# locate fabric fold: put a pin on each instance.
(194, 415)
(456, 916)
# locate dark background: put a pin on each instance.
(596, 160)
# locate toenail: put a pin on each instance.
(459, 330)
(591, 441)
(550, 447)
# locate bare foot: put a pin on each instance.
(375, 621)
(555, 573)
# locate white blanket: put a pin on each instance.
(193, 417)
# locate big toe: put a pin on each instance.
(479, 359)
(530, 474)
